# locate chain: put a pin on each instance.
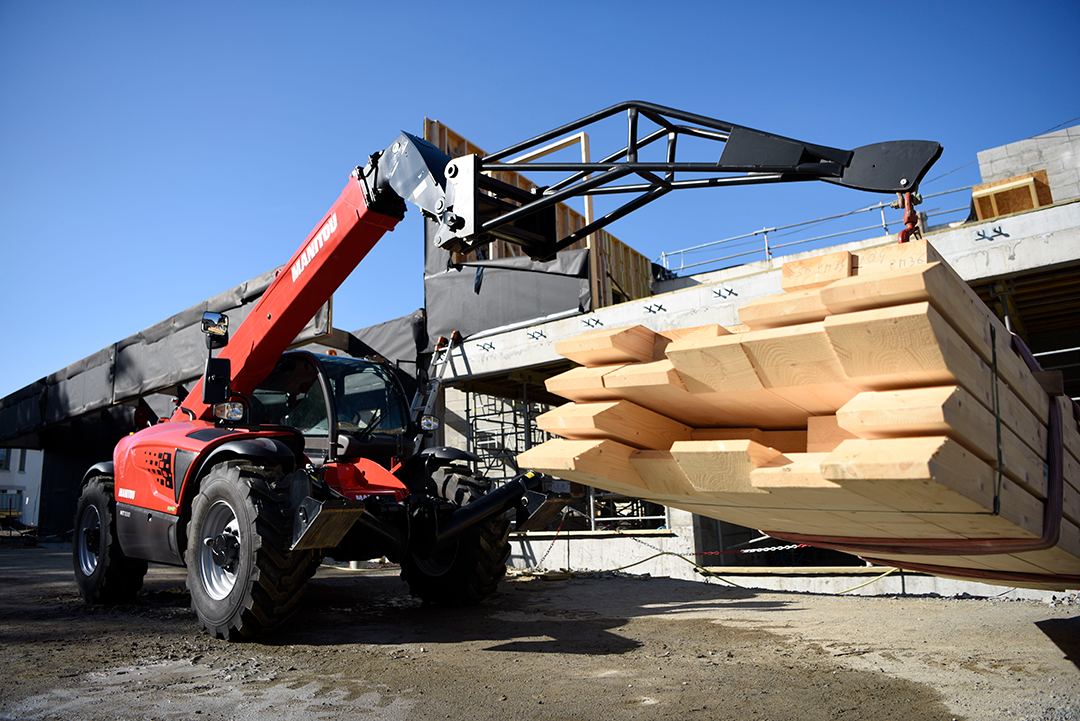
(660, 550)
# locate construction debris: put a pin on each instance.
(877, 407)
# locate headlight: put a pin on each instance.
(232, 411)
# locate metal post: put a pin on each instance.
(526, 418)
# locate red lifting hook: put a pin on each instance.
(911, 218)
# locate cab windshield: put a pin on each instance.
(366, 397)
(363, 396)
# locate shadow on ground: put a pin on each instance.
(1065, 632)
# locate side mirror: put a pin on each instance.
(216, 381)
(216, 328)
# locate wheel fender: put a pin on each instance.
(105, 468)
(445, 455)
(269, 449)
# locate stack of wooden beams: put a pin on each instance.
(877, 406)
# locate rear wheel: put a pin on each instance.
(469, 569)
(103, 572)
(242, 576)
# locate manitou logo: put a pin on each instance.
(314, 246)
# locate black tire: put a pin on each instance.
(103, 572)
(468, 570)
(256, 581)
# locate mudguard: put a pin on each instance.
(105, 468)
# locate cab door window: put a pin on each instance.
(293, 395)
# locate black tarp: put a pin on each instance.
(157, 358)
(400, 341)
(22, 413)
(82, 387)
(474, 297)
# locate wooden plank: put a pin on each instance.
(901, 526)
(1064, 558)
(719, 370)
(583, 384)
(824, 433)
(729, 434)
(663, 476)
(1021, 517)
(777, 311)
(1072, 472)
(721, 466)
(792, 356)
(1071, 502)
(608, 346)
(950, 411)
(666, 337)
(740, 508)
(816, 522)
(815, 272)
(600, 464)
(793, 441)
(908, 346)
(938, 284)
(659, 387)
(1070, 429)
(794, 480)
(997, 562)
(819, 523)
(929, 475)
(894, 257)
(761, 409)
(620, 421)
(916, 475)
(701, 331)
(714, 364)
(787, 441)
(798, 364)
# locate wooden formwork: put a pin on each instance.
(618, 272)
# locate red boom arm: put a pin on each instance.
(325, 259)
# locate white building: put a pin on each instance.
(20, 486)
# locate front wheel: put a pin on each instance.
(469, 569)
(242, 576)
(103, 572)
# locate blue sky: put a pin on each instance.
(153, 154)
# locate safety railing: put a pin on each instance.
(759, 243)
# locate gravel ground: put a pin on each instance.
(600, 647)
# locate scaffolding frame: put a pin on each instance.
(499, 428)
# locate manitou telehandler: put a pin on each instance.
(276, 459)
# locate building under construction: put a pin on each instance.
(1015, 240)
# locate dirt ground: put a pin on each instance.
(601, 647)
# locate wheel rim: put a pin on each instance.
(220, 531)
(440, 563)
(89, 540)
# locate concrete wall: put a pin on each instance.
(596, 551)
(1058, 153)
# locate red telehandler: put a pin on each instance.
(275, 458)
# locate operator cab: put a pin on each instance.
(345, 407)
